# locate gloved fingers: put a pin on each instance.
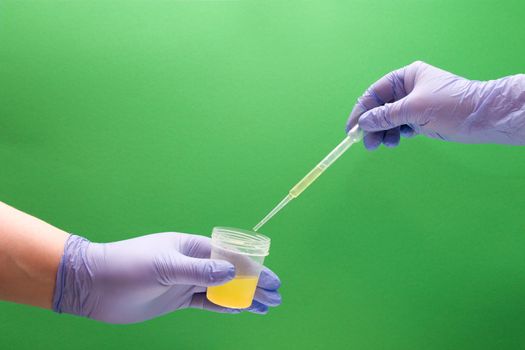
(180, 269)
(199, 301)
(268, 280)
(388, 89)
(407, 131)
(386, 117)
(392, 137)
(372, 140)
(257, 308)
(195, 246)
(267, 297)
(199, 289)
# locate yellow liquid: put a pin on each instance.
(238, 293)
(306, 181)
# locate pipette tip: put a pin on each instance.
(274, 211)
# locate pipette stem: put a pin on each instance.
(354, 135)
(274, 211)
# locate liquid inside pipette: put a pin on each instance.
(353, 136)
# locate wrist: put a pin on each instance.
(499, 113)
(73, 278)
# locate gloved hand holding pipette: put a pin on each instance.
(422, 99)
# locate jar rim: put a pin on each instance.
(241, 241)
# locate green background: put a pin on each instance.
(122, 118)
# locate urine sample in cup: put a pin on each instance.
(246, 250)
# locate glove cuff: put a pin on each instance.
(500, 113)
(71, 283)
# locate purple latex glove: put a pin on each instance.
(422, 99)
(145, 277)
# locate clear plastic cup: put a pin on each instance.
(246, 250)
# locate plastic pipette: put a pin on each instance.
(354, 135)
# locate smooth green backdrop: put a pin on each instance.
(122, 118)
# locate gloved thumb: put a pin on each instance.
(201, 272)
(385, 117)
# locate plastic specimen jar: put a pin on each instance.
(246, 250)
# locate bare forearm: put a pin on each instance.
(30, 251)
